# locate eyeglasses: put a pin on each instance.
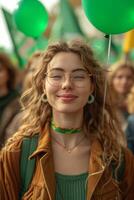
(78, 78)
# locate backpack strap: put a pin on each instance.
(27, 166)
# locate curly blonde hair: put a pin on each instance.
(121, 64)
(130, 101)
(38, 114)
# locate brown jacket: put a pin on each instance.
(100, 184)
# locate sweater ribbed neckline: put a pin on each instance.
(71, 177)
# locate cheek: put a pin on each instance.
(84, 95)
(50, 93)
(116, 83)
(130, 83)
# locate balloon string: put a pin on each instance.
(106, 80)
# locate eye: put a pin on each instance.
(79, 76)
(55, 76)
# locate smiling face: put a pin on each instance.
(75, 86)
(123, 81)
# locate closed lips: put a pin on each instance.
(67, 96)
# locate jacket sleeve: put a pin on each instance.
(9, 174)
(127, 185)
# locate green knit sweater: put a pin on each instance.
(71, 187)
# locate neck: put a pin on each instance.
(64, 130)
(68, 121)
(67, 140)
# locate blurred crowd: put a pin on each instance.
(13, 83)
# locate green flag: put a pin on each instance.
(23, 46)
(66, 25)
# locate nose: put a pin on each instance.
(66, 83)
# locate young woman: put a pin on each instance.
(121, 79)
(78, 155)
(9, 97)
(31, 66)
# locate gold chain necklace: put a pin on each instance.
(69, 150)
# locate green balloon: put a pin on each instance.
(31, 18)
(110, 16)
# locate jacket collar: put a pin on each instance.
(47, 167)
(44, 144)
(96, 165)
(44, 150)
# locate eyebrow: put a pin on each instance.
(74, 70)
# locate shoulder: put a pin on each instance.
(130, 119)
(13, 144)
(10, 154)
(10, 168)
(12, 147)
(11, 110)
(129, 159)
(127, 183)
(14, 125)
(14, 99)
(130, 125)
(15, 103)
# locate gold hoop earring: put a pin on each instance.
(91, 99)
(44, 98)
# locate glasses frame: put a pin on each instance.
(46, 75)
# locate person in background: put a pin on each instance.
(130, 121)
(30, 68)
(78, 154)
(121, 79)
(9, 97)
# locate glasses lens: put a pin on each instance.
(55, 78)
(79, 79)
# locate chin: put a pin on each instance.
(69, 110)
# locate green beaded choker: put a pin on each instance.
(64, 130)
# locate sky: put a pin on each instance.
(10, 5)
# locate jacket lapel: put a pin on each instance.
(96, 168)
(44, 150)
(47, 168)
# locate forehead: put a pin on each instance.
(66, 61)
(124, 71)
